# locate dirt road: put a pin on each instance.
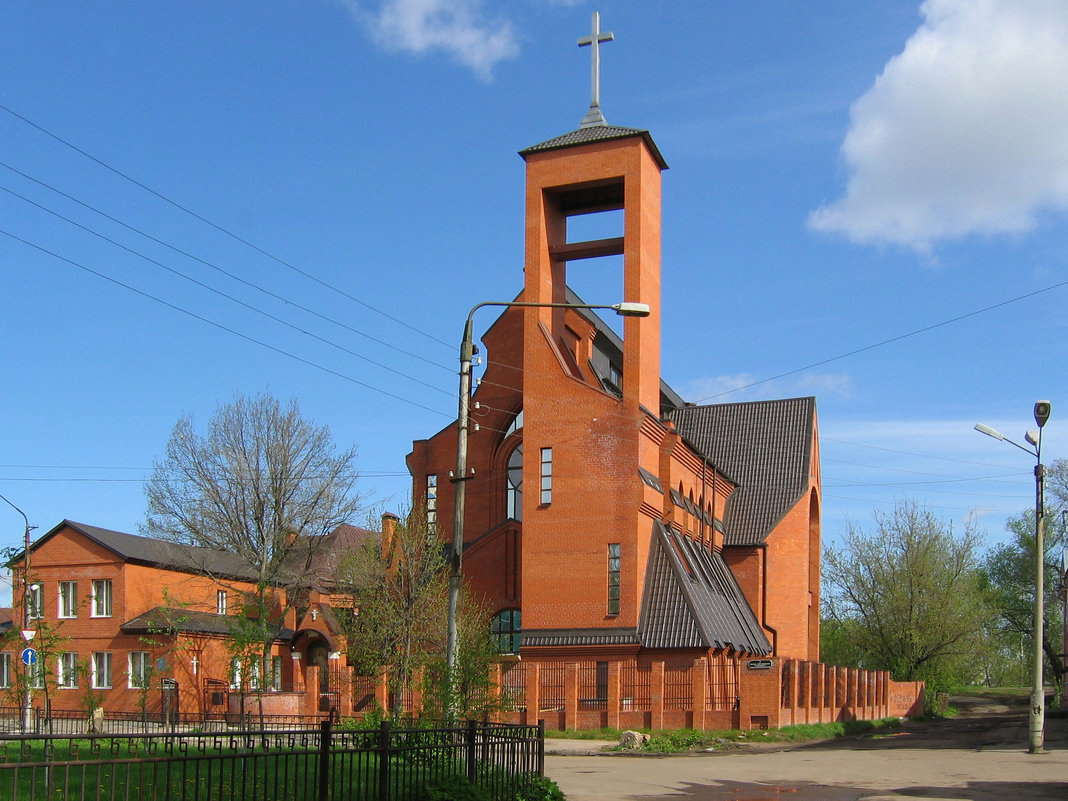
(980, 755)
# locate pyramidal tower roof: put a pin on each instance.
(594, 127)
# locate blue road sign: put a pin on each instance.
(29, 656)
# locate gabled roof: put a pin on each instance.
(766, 446)
(169, 620)
(692, 600)
(596, 133)
(157, 553)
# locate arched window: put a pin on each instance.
(514, 482)
(505, 628)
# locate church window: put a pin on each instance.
(546, 476)
(515, 425)
(613, 578)
(515, 483)
(505, 628)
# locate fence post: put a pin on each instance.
(469, 750)
(324, 759)
(541, 748)
(384, 741)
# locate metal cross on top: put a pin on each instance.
(594, 115)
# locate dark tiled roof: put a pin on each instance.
(558, 637)
(766, 446)
(692, 600)
(596, 133)
(164, 620)
(159, 553)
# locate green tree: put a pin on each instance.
(264, 484)
(910, 595)
(398, 589)
(1009, 570)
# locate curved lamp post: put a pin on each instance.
(25, 596)
(460, 477)
(1036, 719)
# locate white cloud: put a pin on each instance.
(457, 27)
(748, 387)
(965, 132)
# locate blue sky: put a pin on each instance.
(842, 175)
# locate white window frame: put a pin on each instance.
(276, 673)
(102, 663)
(5, 670)
(67, 608)
(220, 602)
(546, 476)
(35, 600)
(138, 674)
(102, 602)
(35, 675)
(67, 670)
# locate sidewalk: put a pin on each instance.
(980, 755)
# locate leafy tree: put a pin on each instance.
(398, 589)
(910, 595)
(264, 484)
(1009, 570)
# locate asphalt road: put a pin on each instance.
(980, 755)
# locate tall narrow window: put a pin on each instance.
(431, 505)
(68, 599)
(505, 628)
(220, 602)
(35, 601)
(67, 670)
(101, 598)
(139, 669)
(515, 483)
(5, 671)
(101, 670)
(546, 476)
(276, 673)
(613, 578)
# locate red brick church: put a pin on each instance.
(613, 527)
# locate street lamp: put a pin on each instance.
(460, 477)
(1036, 718)
(25, 598)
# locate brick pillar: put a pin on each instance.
(533, 693)
(614, 694)
(656, 696)
(821, 692)
(344, 707)
(382, 691)
(311, 695)
(298, 674)
(699, 673)
(571, 695)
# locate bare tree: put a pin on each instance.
(257, 495)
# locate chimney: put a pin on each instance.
(389, 532)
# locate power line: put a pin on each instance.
(217, 227)
(206, 263)
(220, 326)
(889, 341)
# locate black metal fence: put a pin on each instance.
(77, 721)
(327, 763)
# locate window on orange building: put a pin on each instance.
(220, 602)
(101, 598)
(67, 671)
(431, 505)
(5, 671)
(614, 564)
(515, 483)
(506, 628)
(35, 601)
(68, 599)
(101, 678)
(138, 669)
(546, 476)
